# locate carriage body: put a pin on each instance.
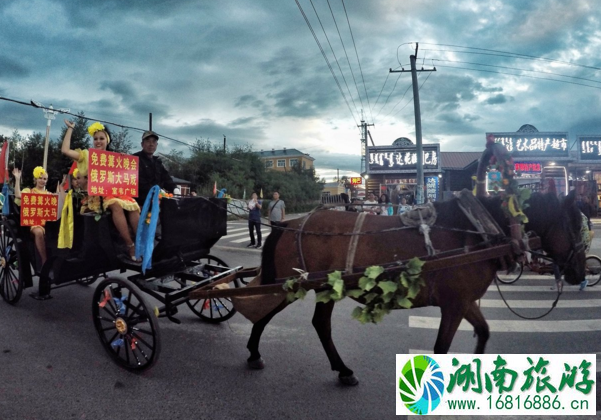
(188, 229)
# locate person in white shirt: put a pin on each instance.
(403, 207)
(371, 205)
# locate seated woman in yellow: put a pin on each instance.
(40, 177)
(123, 209)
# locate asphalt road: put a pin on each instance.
(52, 365)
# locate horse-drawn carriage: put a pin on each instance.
(126, 323)
(462, 242)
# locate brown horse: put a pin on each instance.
(454, 290)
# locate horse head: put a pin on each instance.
(559, 225)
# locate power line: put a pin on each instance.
(400, 100)
(516, 68)
(335, 58)
(358, 61)
(521, 75)
(345, 53)
(420, 87)
(525, 56)
(325, 58)
(33, 105)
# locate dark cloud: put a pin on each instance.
(10, 68)
(497, 99)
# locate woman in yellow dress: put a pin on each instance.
(40, 177)
(123, 209)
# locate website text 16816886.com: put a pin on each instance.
(540, 403)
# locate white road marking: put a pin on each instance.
(495, 325)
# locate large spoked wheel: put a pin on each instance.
(593, 270)
(212, 310)
(11, 264)
(126, 325)
(512, 276)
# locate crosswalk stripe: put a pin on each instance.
(239, 241)
(521, 288)
(416, 351)
(563, 303)
(577, 325)
(236, 230)
(237, 234)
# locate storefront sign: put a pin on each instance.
(534, 144)
(432, 188)
(112, 174)
(393, 159)
(356, 180)
(37, 209)
(528, 167)
(589, 147)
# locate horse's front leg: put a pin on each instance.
(322, 321)
(255, 361)
(450, 319)
(474, 316)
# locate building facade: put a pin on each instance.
(285, 159)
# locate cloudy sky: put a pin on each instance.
(253, 71)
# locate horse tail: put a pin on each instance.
(268, 273)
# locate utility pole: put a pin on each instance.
(150, 121)
(224, 143)
(364, 132)
(49, 114)
(419, 188)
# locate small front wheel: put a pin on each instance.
(212, 310)
(126, 325)
(513, 275)
(593, 270)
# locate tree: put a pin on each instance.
(120, 141)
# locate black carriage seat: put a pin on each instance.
(190, 227)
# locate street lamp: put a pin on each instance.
(49, 114)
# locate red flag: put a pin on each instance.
(215, 188)
(3, 166)
(73, 168)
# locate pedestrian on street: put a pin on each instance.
(276, 210)
(254, 221)
(403, 207)
(385, 205)
(371, 205)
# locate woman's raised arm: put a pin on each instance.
(66, 146)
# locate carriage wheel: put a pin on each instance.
(11, 265)
(126, 325)
(514, 275)
(212, 310)
(593, 270)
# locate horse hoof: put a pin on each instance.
(348, 380)
(257, 364)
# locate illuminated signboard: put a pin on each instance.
(356, 180)
(528, 167)
(394, 159)
(589, 147)
(538, 144)
(432, 187)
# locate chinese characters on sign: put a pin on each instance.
(356, 180)
(528, 167)
(534, 144)
(432, 188)
(112, 174)
(37, 209)
(590, 147)
(390, 159)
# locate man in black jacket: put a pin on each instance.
(151, 169)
